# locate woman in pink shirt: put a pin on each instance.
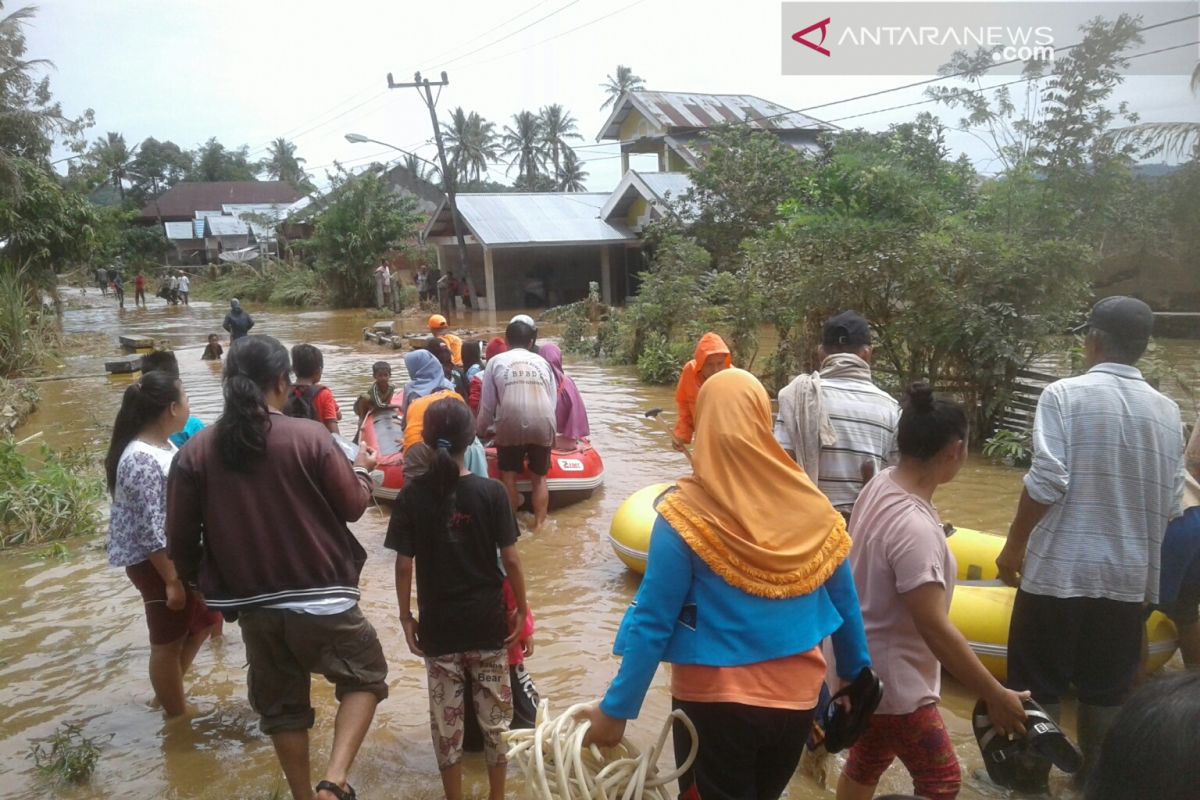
(904, 574)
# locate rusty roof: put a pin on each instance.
(686, 111)
(183, 200)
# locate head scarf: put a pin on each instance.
(425, 375)
(234, 305)
(748, 511)
(495, 347)
(570, 413)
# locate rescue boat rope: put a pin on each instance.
(556, 765)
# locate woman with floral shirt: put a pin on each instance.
(139, 456)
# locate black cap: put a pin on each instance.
(1126, 317)
(847, 329)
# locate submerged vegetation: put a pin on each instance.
(46, 499)
(66, 757)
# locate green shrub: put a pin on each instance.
(659, 363)
(27, 333)
(296, 286)
(1014, 449)
(66, 757)
(54, 500)
(409, 297)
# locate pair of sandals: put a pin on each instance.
(337, 791)
(1024, 763)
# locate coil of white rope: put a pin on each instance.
(556, 765)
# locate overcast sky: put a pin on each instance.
(247, 71)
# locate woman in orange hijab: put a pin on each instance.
(746, 575)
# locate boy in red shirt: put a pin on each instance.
(139, 285)
(308, 398)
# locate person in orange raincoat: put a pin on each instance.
(712, 356)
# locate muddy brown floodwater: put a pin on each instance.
(73, 644)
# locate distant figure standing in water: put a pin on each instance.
(139, 458)
(237, 321)
(257, 513)
(213, 350)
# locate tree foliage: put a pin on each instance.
(624, 80)
(472, 143)
(364, 220)
(214, 162)
(282, 164)
(47, 227)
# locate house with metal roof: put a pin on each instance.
(183, 200)
(535, 249)
(672, 125)
(642, 197)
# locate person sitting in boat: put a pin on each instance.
(570, 415)
(379, 395)
(213, 350)
(427, 383)
(712, 356)
(472, 358)
(746, 575)
(475, 390)
(441, 351)
(904, 573)
(439, 328)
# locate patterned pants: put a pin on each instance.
(921, 743)
(490, 692)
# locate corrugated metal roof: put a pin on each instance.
(225, 226)
(179, 231)
(198, 228)
(677, 111)
(216, 212)
(182, 200)
(511, 219)
(653, 187)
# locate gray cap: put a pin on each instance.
(1126, 317)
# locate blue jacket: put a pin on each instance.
(685, 614)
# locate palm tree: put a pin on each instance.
(573, 174)
(523, 142)
(557, 126)
(625, 81)
(1168, 138)
(472, 143)
(111, 157)
(283, 164)
(416, 166)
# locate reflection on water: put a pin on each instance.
(72, 635)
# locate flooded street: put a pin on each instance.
(73, 645)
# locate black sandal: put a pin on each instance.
(337, 791)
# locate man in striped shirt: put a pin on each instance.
(1084, 547)
(836, 423)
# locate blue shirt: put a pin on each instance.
(1181, 546)
(192, 427)
(685, 614)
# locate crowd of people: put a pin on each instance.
(805, 543)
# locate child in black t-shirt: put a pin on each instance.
(213, 351)
(451, 523)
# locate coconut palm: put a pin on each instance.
(471, 140)
(283, 164)
(1168, 138)
(557, 127)
(417, 166)
(523, 142)
(111, 158)
(573, 174)
(625, 81)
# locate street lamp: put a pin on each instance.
(358, 138)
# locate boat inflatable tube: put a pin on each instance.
(982, 606)
(629, 533)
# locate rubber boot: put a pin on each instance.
(1093, 724)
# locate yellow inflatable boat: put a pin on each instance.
(982, 606)
(629, 533)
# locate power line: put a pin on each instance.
(492, 29)
(959, 74)
(1001, 85)
(509, 35)
(555, 36)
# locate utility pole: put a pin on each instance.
(427, 97)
